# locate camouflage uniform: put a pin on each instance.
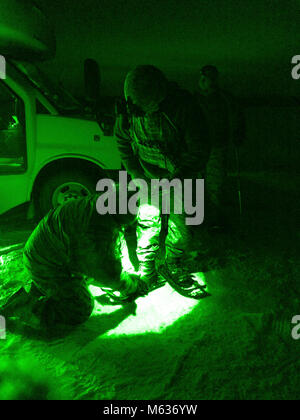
(171, 143)
(226, 125)
(71, 244)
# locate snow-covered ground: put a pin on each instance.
(171, 347)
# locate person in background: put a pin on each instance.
(226, 126)
(162, 134)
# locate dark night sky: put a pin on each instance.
(251, 41)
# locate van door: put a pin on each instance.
(13, 150)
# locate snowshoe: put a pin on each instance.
(183, 281)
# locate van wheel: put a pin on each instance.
(63, 187)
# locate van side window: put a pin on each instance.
(12, 132)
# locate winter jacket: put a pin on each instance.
(170, 143)
(68, 236)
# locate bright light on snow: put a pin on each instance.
(155, 312)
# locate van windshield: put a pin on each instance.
(55, 93)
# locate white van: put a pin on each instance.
(49, 151)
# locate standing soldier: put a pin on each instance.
(162, 135)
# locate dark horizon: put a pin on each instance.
(252, 43)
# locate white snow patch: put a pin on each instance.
(154, 313)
